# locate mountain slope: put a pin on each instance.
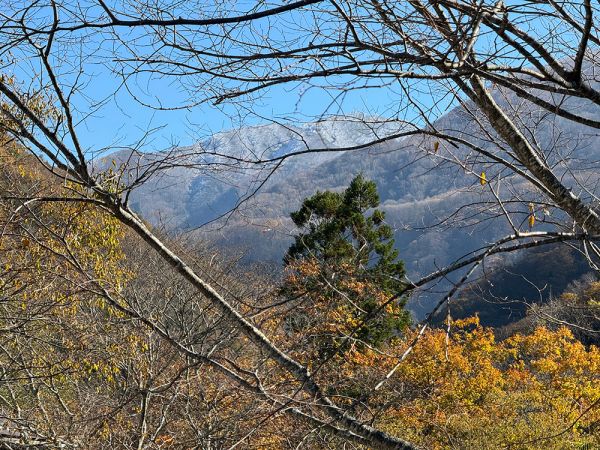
(434, 200)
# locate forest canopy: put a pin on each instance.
(92, 343)
(116, 332)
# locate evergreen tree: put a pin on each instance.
(344, 261)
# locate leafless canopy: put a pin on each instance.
(515, 69)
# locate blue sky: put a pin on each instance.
(123, 120)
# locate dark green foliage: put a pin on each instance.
(503, 296)
(350, 241)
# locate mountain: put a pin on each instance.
(429, 197)
(504, 294)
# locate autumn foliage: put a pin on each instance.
(538, 390)
(92, 333)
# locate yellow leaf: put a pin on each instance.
(531, 220)
(482, 179)
(436, 146)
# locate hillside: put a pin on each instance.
(504, 294)
(431, 199)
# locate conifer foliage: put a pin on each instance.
(343, 264)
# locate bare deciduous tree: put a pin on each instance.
(515, 70)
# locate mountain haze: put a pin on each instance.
(419, 189)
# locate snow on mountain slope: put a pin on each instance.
(418, 189)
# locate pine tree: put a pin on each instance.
(343, 266)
